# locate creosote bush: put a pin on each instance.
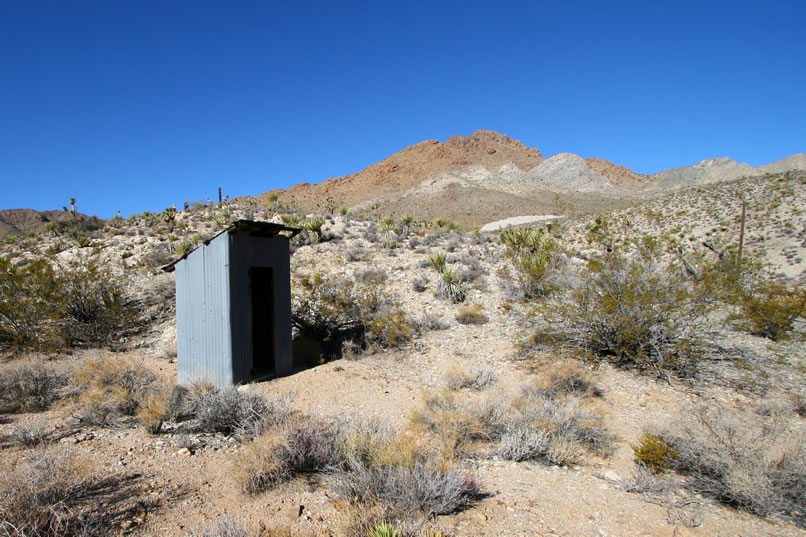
(31, 300)
(771, 310)
(332, 310)
(43, 307)
(96, 309)
(629, 311)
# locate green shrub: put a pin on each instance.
(332, 310)
(653, 453)
(96, 310)
(314, 225)
(31, 304)
(184, 247)
(42, 308)
(438, 261)
(771, 310)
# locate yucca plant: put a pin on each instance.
(389, 230)
(450, 287)
(438, 261)
(314, 225)
(183, 248)
(384, 530)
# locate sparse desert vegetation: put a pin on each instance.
(448, 382)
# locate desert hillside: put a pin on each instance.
(24, 221)
(613, 373)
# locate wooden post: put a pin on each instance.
(219, 195)
(741, 238)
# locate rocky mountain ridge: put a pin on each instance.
(498, 177)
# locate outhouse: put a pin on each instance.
(233, 305)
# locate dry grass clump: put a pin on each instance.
(742, 459)
(556, 420)
(398, 477)
(298, 445)
(479, 379)
(31, 433)
(566, 377)
(29, 386)
(222, 528)
(110, 387)
(230, 410)
(376, 473)
(471, 314)
(155, 407)
(646, 481)
(551, 429)
(36, 497)
(54, 493)
(459, 426)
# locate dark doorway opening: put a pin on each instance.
(261, 283)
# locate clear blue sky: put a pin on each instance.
(134, 106)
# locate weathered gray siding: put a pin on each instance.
(204, 351)
(247, 251)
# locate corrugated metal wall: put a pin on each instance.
(203, 333)
(214, 310)
(246, 252)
